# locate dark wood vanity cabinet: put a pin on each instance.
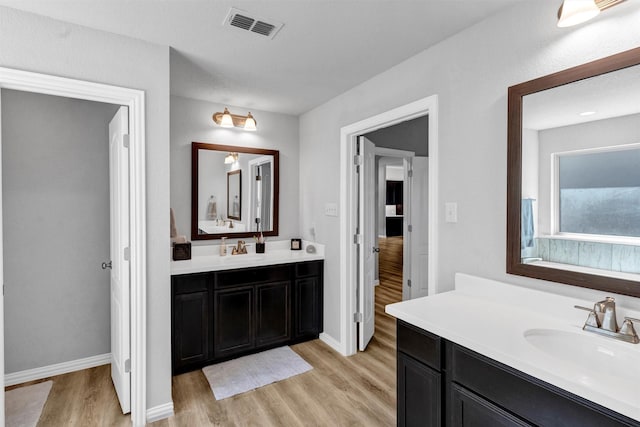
(443, 384)
(220, 315)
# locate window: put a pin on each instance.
(598, 192)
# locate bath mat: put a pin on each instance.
(23, 405)
(253, 371)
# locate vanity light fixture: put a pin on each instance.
(230, 158)
(228, 120)
(574, 12)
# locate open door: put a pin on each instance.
(367, 250)
(419, 216)
(119, 224)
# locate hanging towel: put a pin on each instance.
(212, 208)
(526, 224)
(174, 231)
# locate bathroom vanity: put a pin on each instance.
(490, 354)
(225, 307)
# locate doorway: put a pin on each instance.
(352, 267)
(135, 252)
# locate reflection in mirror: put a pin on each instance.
(578, 203)
(233, 196)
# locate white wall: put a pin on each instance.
(34, 43)
(191, 122)
(55, 179)
(599, 133)
(470, 72)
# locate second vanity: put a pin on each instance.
(491, 354)
(225, 307)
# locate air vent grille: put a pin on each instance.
(248, 22)
(242, 21)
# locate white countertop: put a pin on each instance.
(491, 318)
(207, 258)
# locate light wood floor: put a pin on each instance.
(340, 391)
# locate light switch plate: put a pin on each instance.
(451, 212)
(331, 209)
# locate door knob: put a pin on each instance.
(376, 250)
(106, 265)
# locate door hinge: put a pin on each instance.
(410, 173)
(127, 253)
(127, 366)
(357, 160)
(357, 317)
(125, 140)
(357, 239)
(410, 228)
(409, 283)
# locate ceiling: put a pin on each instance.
(325, 47)
(608, 95)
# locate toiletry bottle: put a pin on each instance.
(223, 247)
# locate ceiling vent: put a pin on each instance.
(248, 22)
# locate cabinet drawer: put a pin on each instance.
(312, 268)
(189, 283)
(419, 344)
(252, 275)
(532, 399)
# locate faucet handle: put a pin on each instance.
(593, 319)
(628, 329)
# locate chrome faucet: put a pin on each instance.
(602, 320)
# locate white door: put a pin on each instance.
(119, 223)
(419, 251)
(2, 293)
(366, 293)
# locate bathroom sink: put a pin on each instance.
(593, 353)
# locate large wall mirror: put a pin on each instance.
(573, 191)
(234, 191)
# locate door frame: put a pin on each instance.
(348, 191)
(134, 99)
(408, 187)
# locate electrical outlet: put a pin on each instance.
(331, 209)
(451, 212)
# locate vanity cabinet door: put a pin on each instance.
(273, 313)
(470, 410)
(307, 307)
(234, 323)
(419, 402)
(190, 328)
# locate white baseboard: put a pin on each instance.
(160, 412)
(57, 369)
(331, 342)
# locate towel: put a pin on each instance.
(526, 224)
(174, 230)
(212, 209)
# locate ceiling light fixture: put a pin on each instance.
(230, 158)
(574, 12)
(228, 120)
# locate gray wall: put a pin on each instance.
(39, 44)
(470, 72)
(55, 199)
(191, 122)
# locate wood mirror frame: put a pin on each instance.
(514, 176)
(195, 149)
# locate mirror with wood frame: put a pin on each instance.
(234, 191)
(573, 176)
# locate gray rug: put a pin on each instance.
(23, 405)
(255, 370)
